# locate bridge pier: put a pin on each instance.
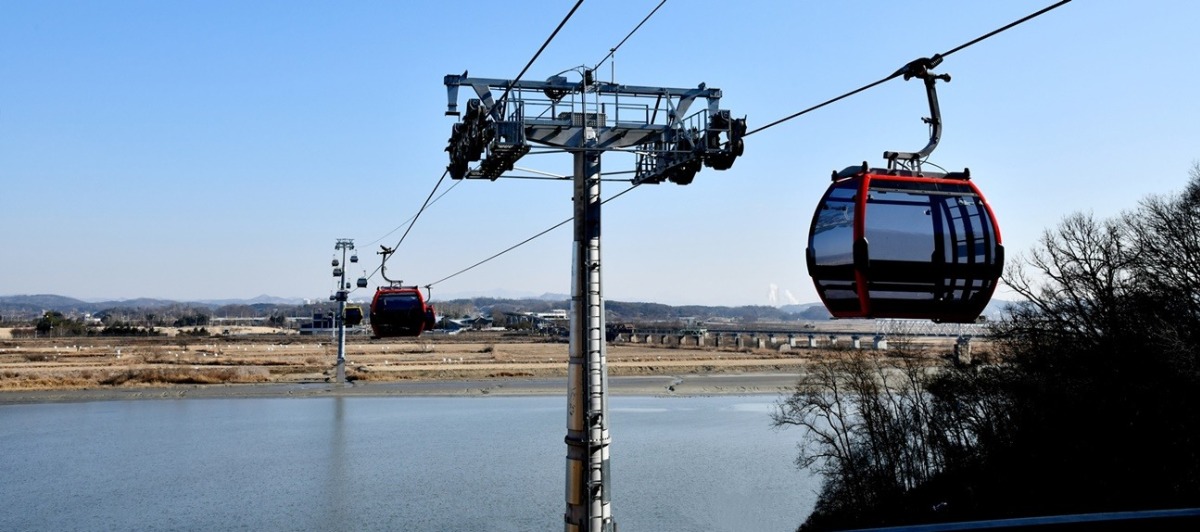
(962, 349)
(881, 342)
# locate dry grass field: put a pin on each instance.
(79, 363)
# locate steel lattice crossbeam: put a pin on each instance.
(652, 121)
(896, 327)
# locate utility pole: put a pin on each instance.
(341, 295)
(588, 118)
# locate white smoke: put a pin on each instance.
(791, 298)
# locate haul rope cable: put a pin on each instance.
(499, 102)
(507, 90)
(523, 242)
(614, 49)
(611, 52)
(810, 109)
(413, 217)
(900, 72)
(544, 45)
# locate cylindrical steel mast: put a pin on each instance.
(589, 507)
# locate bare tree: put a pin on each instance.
(868, 429)
(1092, 404)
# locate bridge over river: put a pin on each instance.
(853, 334)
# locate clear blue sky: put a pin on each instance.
(207, 149)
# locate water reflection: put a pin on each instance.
(388, 464)
(338, 474)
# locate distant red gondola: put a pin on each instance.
(400, 311)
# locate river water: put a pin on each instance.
(390, 463)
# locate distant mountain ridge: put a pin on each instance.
(32, 306)
(500, 293)
(35, 304)
(38, 302)
(257, 300)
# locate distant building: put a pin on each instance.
(476, 324)
(320, 323)
(539, 321)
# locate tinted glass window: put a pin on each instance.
(400, 302)
(832, 235)
(913, 221)
(970, 238)
(900, 225)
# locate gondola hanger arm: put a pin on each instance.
(921, 68)
(386, 252)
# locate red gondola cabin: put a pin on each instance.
(892, 244)
(400, 311)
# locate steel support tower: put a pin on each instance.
(341, 295)
(587, 118)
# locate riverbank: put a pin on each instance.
(684, 385)
(97, 369)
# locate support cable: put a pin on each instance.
(422, 209)
(614, 49)
(503, 98)
(413, 217)
(523, 242)
(414, 220)
(499, 102)
(508, 89)
(902, 71)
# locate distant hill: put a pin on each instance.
(32, 306)
(808, 311)
(501, 294)
(39, 303)
(25, 307)
(141, 302)
(262, 299)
